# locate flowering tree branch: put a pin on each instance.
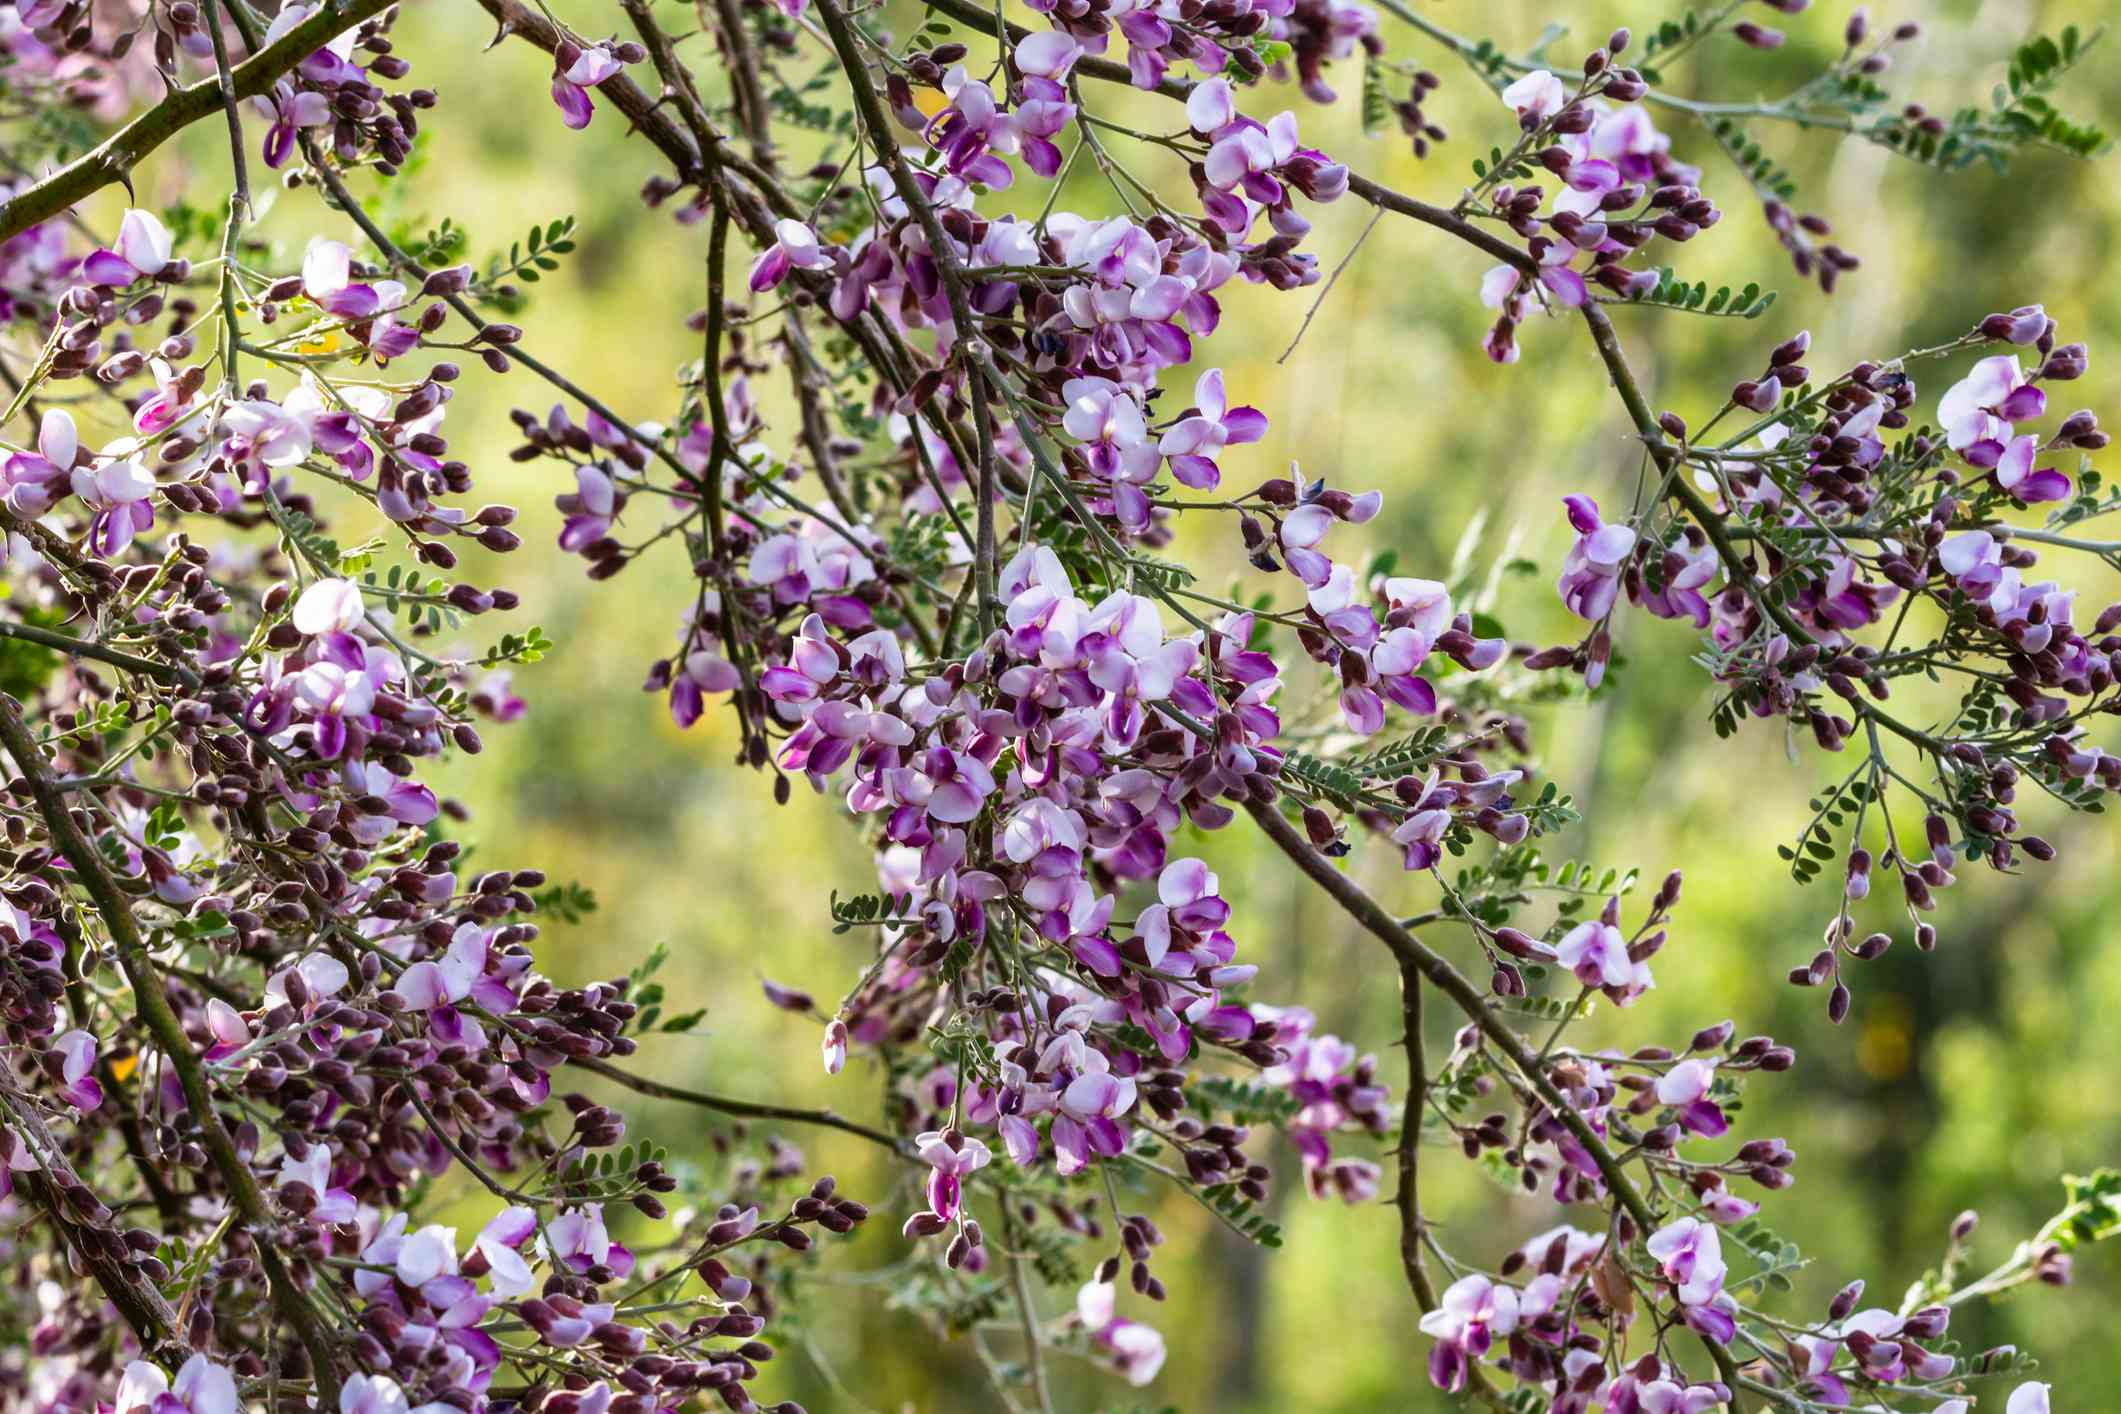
(962, 635)
(152, 1005)
(113, 160)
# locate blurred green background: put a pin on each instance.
(1968, 1078)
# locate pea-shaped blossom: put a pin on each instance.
(1130, 659)
(1252, 164)
(1471, 1313)
(329, 606)
(1977, 411)
(1043, 107)
(590, 510)
(1535, 97)
(1195, 441)
(1685, 1087)
(573, 77)
(330, 1203)
(314, 977)
(287, 110)
(1690, 1253)
(1590, 577)
(499, 1246)
(76, 1054)
(118, 493)
(2029, 1398)
(1597, 953)
(952, 1157)
(364, 1393)
(143, 252)
(201, 1387)
(580, 1241)
(1978, 414)
(170, 400)
(1686, 572)
(34, 481)
(1632, 1395)
(795, 247)
(1136, 1350)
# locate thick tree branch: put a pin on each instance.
(115, 158)
(82, 648)
(152, 1003)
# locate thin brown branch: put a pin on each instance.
(740, 1109)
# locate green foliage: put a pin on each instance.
(568, 902)
(2020, 114)
(609, 1174)
(864, 911)
(1814, 845)
(1766, 175)
(1376, 101)
(1775, 1256)
(1235, 1209)
(2091, 1212)
(1244, 1101)
(26, 667)
(1675, 293)
(529, 259)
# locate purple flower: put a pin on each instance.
(144, 251)
(2028, 1398)
(35, 480)
(1472, 1312)
(1685, 1087)
(589, 510)
(76, 1052)
(795, 247)
(1192, 445)
(1970, 410)
(1691, 1255)
(1597, 954)
(951, 1158)
(329, 606)
(1590, 577)
(579, 1241)
(333, 1204)
(290, 109)
(118, 493)
(1685, 572)
(1137, 1350)
(2015, 473)
(372, 1394)
(1535, 97)
(573, 78)
(201, 1387)
(974, 133)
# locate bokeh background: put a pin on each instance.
(1966, 1079)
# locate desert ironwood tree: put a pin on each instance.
(262, 1015)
